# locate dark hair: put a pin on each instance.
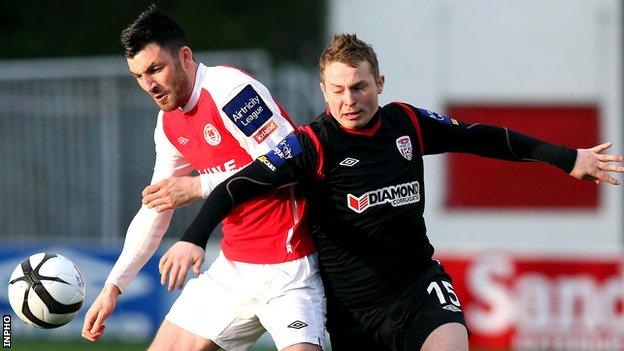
(152, 27)
(348, 49)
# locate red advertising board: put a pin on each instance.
(540, 303)
(478, 183)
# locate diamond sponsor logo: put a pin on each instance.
(395, 195)
(349, 162)
(357, 204)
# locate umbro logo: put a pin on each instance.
(183, 140)
(297, 325)
(349, 162)
(452, 308)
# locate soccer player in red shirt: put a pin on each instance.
(216, 120)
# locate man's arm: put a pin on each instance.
(102, 307)
(443, 134)
(142, 239)
(179, 191)
(250, 182)
(266, 173)
(501, 143)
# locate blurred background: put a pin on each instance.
(536, 256)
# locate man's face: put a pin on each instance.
(351, 93)
(162, 76)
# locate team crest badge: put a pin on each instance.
(211, 134)
(404, 144)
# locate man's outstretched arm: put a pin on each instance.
(444, 134)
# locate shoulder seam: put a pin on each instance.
(415, 123)
(320, 155)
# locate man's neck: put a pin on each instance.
(192, 74)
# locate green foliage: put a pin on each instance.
(289, 30)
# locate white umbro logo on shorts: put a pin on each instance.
(452, 308)
(349, 162)
(297, 325)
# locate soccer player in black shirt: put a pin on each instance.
(361, 167)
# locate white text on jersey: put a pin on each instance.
(226, 166)
(395, 195)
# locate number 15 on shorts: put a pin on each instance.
(444, 292)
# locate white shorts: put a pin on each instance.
(234, 303)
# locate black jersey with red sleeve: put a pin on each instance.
(366, 192)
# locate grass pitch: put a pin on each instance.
(33, 345)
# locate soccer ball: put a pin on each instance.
(46, 290)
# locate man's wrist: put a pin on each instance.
(205, 186)
(197, 187)
(194, 239)
(111, 290)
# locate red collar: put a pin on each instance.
(369, 131)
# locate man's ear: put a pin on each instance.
(323, 91)
(185, 55)
(380, 83)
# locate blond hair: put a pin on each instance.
(348, 49)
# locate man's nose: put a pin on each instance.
(349, 98)
(149, 84)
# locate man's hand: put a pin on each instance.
(177, 261)
(171, 193)
(592, 164)
(102, 307)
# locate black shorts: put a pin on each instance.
(402, 323)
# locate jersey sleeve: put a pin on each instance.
(251, 114)
(291, 161)
(148, 226)
(440, 133)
